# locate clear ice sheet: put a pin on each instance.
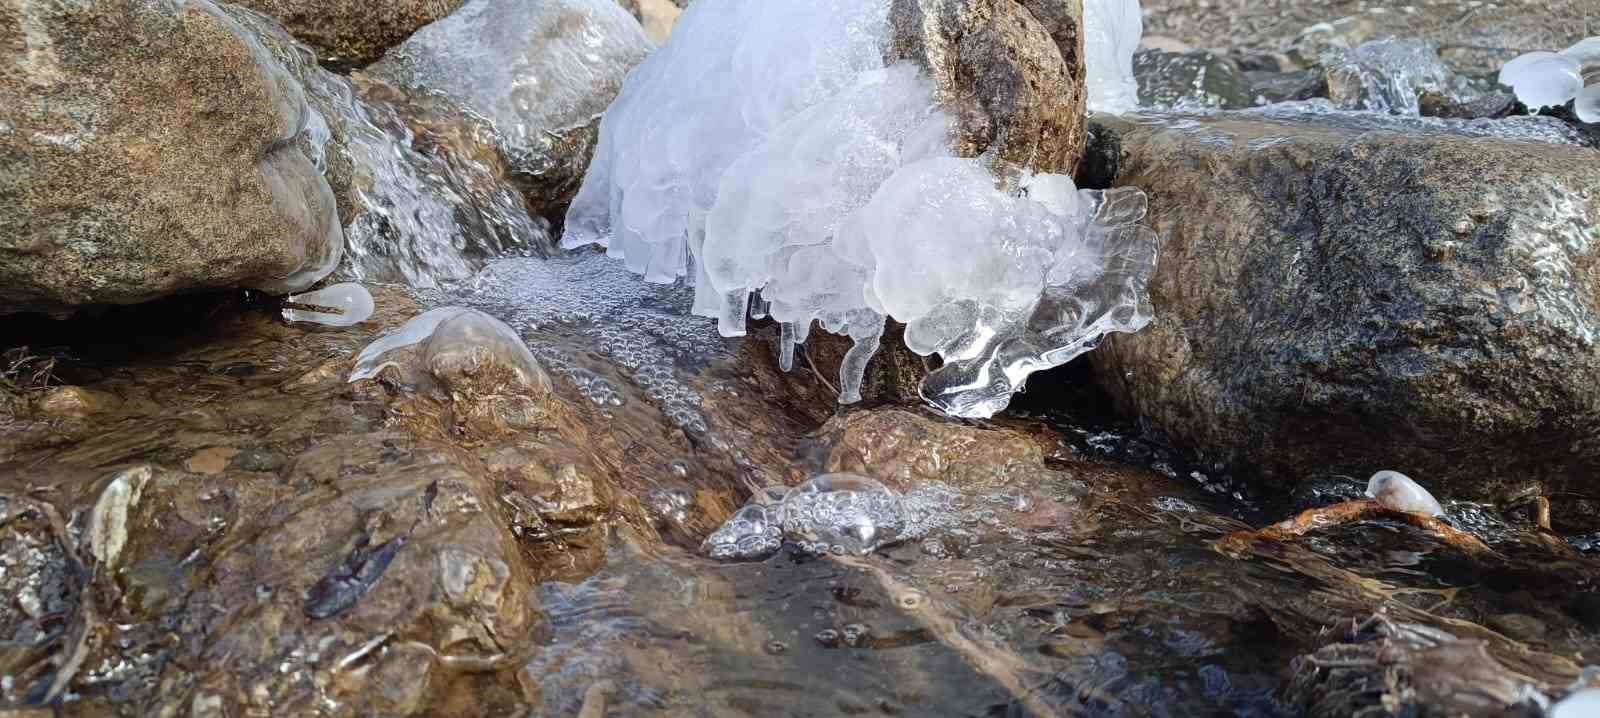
(767, 157)
(838, 514)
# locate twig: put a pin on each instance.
(818, 374)
(1349, 512)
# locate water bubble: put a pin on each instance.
(911, 600)
(776, 647)
(856, 634)
(750, 533)
(827, 638)
(846, 512)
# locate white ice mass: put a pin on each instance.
(766, 152)
(1112, 30)
(1552, 79)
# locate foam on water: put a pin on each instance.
(841, 514)
(645, 329)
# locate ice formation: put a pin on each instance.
(1552, 79)
(766, 148)
(1397, 492)
(449, 339)
(1393, 73)
(832, 514)
(351, 302)
(1581, 704)
(1112, 30)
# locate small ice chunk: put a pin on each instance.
(351, 302)
(1581, 704)
(1112, 30)
(1397, 492)
(1543, 79)
(842, 514)
(371, 359)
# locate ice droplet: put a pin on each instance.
(1397, 492)
(351, 302)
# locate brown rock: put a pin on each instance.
(999, 70)
(1340, 299)
(350, 33)
(902, 448)
(145, 149)
(75, 402)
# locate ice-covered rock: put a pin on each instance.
(1398, 492)
(1552, 79)
(1111, 34)
(769, 148)
(534, 73)
(1390, 75)
(453, 345)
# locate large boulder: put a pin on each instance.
(147, 148)
(348, 33)
(999, 70)
(534, 76)
(1338, 297)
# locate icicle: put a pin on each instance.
(786, 347)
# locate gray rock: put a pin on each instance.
(1272, 86)
(534, 76)
(147, 147)
(999, 71)
(348, 33)
(1335, 299)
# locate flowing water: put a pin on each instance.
(1091, 579)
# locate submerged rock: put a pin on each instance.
(349, 33)
(148, 149)
(1335, 297)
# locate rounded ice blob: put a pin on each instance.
(842, 514)
(1397, 492)
(350, 304)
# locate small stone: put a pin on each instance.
(76, 402)
(211, 461)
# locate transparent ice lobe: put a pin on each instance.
(1112, 30)
(371, 360)
(1399, 492)
(352, 302)
(1552, 79)
(1543, 79)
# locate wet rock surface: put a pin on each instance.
(1338, 301)
(148, 150)
(999, 70)
(352, 33)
